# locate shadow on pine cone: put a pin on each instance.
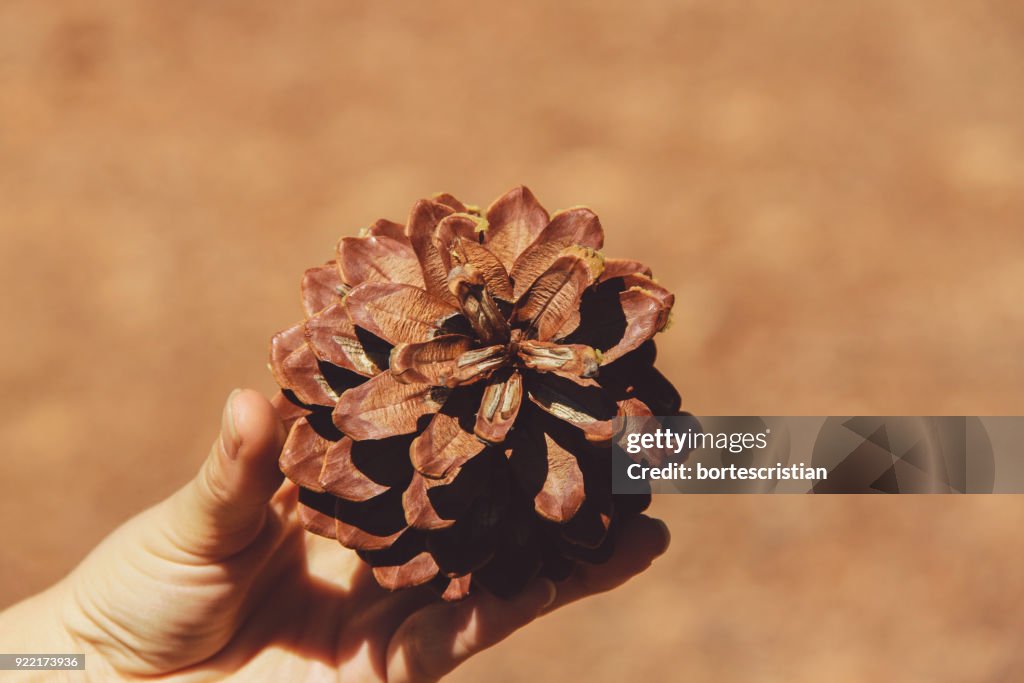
(450, 393)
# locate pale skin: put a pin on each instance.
(219, 582)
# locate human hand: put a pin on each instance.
(221, 582)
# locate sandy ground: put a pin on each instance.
(834, 191)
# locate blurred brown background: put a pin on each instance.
(834, 191)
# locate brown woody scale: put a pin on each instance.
(451, 390)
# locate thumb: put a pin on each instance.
(224, 507)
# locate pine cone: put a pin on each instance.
(451, 390)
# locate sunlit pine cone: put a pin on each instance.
(451, 390)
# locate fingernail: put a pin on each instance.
(666, 536)
(552, 593)
(230, 445)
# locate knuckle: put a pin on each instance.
(212, 484)
(423, 651)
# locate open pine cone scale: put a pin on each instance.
(451, 390)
